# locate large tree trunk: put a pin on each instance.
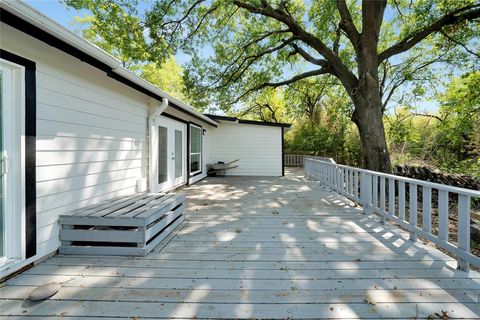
(368, 117)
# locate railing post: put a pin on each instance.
(463, 229)
(366, 191)
(427, 209)
(355, 186)
(412, 216)
(443, 215)
(401, 200)
(391, 196)
(382, 200)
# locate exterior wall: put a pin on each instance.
(258, 147)
(91, 134)
(205, 142)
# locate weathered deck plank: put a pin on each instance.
(259, 248)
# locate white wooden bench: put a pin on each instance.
(129, 225)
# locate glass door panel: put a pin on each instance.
(178, 154)
(162, 155)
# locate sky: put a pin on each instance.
(63, 15)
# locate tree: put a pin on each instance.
(262, 44)
(460, 125)
(267, 105)
(168, 77)
(131, 48)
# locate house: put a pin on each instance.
(78, 128)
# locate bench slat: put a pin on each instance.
(117, 207)
(100, 206)
(153, 203)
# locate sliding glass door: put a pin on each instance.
(11, 142)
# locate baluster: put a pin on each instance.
(412, 217)
(443, 215)
(463, 231)
(350, 179)
(323, 174)
(366, 192)
(427, 209)
(401, 200)
(375, 190)
(382, 199)
(340, 180)
(391, 196)
(355, 185)
(332, 175)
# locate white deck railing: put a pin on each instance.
(385, 195)
(293, 160)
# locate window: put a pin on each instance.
(195, 149)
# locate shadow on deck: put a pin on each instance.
(260, 248)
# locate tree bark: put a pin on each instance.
(368, 117)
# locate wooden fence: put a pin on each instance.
(386, 195)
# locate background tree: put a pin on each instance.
(114, 30)
(267, 44)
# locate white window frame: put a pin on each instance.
(192, 173)
(14, 144)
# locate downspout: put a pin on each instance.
(153, 170)
(158, 111)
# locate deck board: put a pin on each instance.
(258, 248)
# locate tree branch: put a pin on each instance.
(307, 56)
(285, 82)
(466, 13)
(460, 44)
(427, 115)
(341, 70)
(347, 24)
(249, 60)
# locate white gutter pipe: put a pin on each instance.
(158, 110)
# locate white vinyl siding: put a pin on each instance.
(258, 147)
(91, 134)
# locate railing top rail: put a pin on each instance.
(434, 185)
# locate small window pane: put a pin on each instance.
(196, 140)
(195, 162)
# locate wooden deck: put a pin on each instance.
(259, 248)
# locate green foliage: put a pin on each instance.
(242, 52)
(115, 27)
(322, 125)
(449, 140)
(168, 77)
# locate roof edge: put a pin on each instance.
(253, 122)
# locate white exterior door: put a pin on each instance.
(168, 154)
(12, 161)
